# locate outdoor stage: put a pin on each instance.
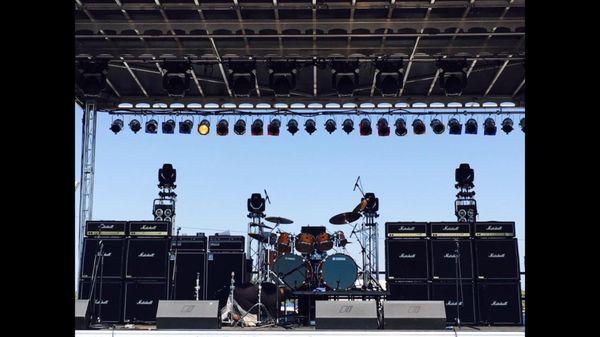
(508, 331)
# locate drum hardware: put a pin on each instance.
(266, 238)
(197, 287)
(279, 220)
(230, 299)
(260, 224)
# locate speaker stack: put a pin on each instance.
(146, 270)
(482, 288)
(225, 255)
(106, 297)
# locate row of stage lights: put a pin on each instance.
(310, 126)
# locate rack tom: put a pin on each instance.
(305, 243)
(284, 243)
(324, 242)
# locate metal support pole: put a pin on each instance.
(88, 151)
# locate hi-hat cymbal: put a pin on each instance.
(344, 218)
(264, 238)
(262, 225)
(279, 220)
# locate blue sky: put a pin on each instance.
(309, 178)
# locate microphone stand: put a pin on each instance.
(173, 276)
(458, 282)
(98, 263)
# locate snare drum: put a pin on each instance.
(284, 242)
(305, 243)
(324, 242)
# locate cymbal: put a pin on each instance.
(279, 220)
(344, 218)
(361, 206)
(264, 238)
(262, 225)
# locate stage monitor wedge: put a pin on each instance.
(346, 315)
(188, 315)
(82, 314)
(414, 315)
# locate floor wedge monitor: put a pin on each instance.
(188, 315)
(346, 315)
(414, 315)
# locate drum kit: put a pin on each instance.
(305, 261)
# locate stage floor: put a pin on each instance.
(484, 331)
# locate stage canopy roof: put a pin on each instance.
(137, 36)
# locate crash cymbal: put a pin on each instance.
(264, 238)
(344, 218)
(262, 225)
(279, 220)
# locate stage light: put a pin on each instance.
(330, 126)
(471, 127)
(273, 127)
(222, 127)
(390, 76)
(383, 129)
(282, 77)
(310, 126)
(116, 126)
(176, 80)
(242, 78)
(400, 127)
(256, 129)
(364, 127)
(92, 77)
(135, 125)
(464, 176)
(507, 125)
(168, 126)
(453, 76)
(418, 127)
(256, 204)
(167, 176)
(522, 124)
(344, 77)
(186, 126)
(239, 127)
(151, 126)
(204, 127)
(454, 127)
(292, 126)
(437, 126)
(348, 125)
(489, 127)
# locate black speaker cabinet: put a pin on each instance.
(497, 259)
(141, 300)
(499, 303)
(187, 315)
(346, 315)
(450, 295)
(444, 257)
(82, 314)
(408, 291)
(113, 257)
(147, 258)
(415, 315)
(188, 267)
(218, 273)
(406, 259)
(107, 303)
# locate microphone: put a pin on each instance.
(267, 197)
(356, 183)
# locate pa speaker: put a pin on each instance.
(82, 314)
(187, 315)
(422, 315)
(346, 315)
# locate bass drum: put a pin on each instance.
(293, 270)
(338, 272)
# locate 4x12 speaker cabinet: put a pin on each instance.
(141, 300)
(107, 300)
(189, 266)
(497, 259)
(452, 295)
(499, 303)
(444, 257)
(406, 259)
(113, 257)
(147, 258)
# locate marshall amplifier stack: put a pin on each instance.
(473, 268)
(225, 255)
(131, 275)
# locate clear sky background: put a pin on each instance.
(309, 178)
